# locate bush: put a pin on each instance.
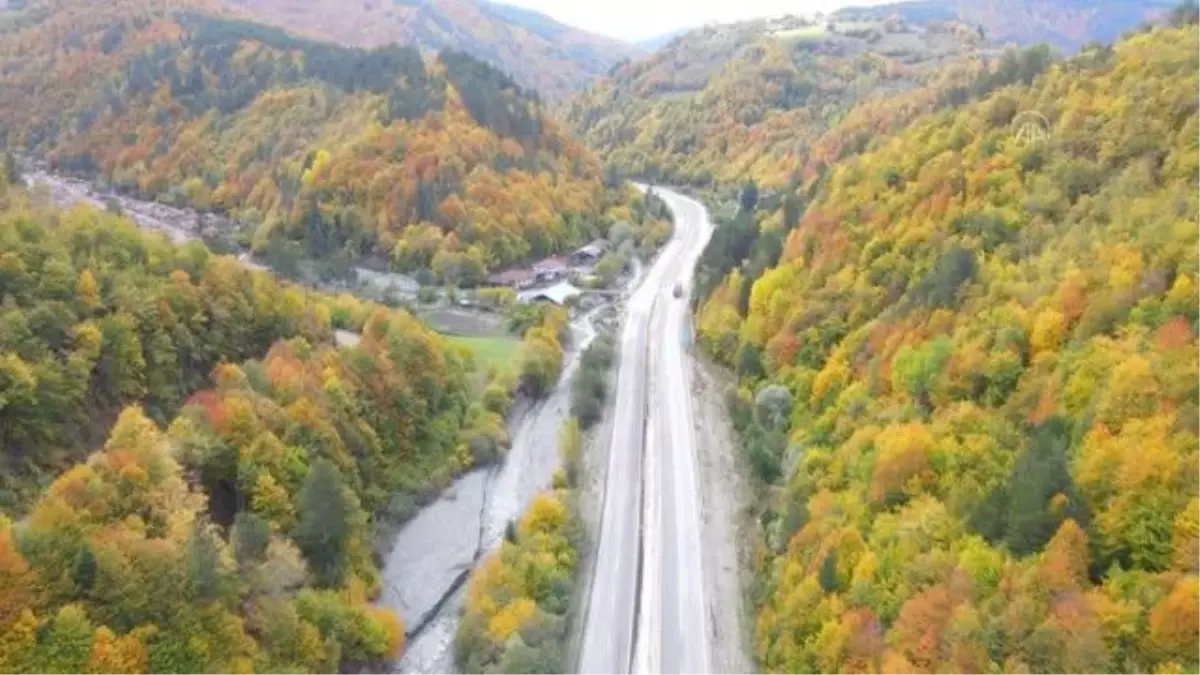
(540, 367)
(570, 447)
(542, 353)
(496, 298)
(589, 389)
(365, 635)
(600, 354)
(496, 398)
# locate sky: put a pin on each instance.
(640, 19)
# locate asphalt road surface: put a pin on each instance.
(650, 521)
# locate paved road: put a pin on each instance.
(679, 597)
(650, 523)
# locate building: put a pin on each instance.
(550, 269)
(559, 294)
(518, 279)
(588, 255)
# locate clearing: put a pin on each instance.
(499, 351)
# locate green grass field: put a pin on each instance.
(499, 351)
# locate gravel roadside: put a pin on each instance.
(727, 521)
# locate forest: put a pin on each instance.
(229, 519)
(338, 152)
(957, 286)
(755, 100)
(967, 354)
(94, 315)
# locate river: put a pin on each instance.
(435, 552)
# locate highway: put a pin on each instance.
(647, 611)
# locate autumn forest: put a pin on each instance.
(968, 356)
(338, 151)
(953, 282)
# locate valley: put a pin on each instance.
(440, 336)
(432, 554)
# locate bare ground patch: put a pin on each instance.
(463, 321)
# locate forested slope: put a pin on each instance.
(240, 536)
(95, 315)
(540, 53)
(340, 150)
(969, 380)
(756, 99)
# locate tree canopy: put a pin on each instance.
(989, 332)
(239, 536)
(342, 152)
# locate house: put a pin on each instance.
(550, 269)
(588, 255)
(516, 278)
(559, 294)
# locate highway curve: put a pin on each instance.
(647, 611)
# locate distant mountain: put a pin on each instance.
(539, 52)
(754, 99)
(1064, 24)
(658, 41)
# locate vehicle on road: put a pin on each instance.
(677, 291)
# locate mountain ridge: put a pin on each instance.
(752, 99)
(1066, 25)
(538, 51)
(342, 152)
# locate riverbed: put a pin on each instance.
(434, 553)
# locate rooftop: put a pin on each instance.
(558, 293)
(551, 263)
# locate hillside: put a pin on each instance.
(753, 99)
(113, 319)
(1065, 24)
(226, 522)
(336, 151)
(968, 364)
(539, 52)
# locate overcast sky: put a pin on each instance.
(641, 19)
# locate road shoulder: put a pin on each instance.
(726, 520)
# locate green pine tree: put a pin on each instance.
(323, 533)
